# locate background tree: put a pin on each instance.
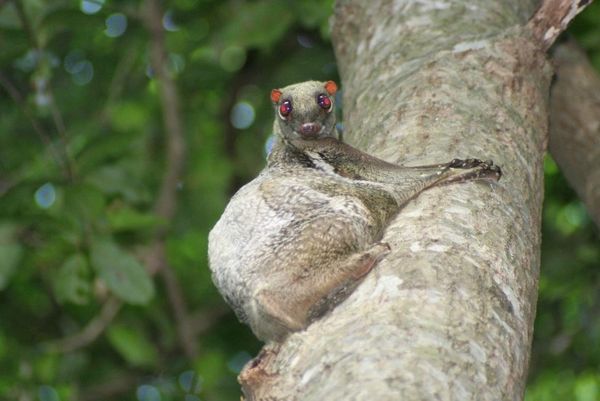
(104, 288)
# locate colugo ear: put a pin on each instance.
(330, 87)
(275, 95)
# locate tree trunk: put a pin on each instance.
(448, 314)
(575, 124)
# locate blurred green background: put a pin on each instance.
(82, 156)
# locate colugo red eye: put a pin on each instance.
(324, 102)
(285, 108)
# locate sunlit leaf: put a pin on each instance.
(551, 386)
(122, 273)
(125, 218)
(550, 167)
(587, 387)
(46, 367)
(128, 116)
(132, 345)
(211, 367)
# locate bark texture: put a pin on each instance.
(553, 17)
(575, 124)
(448, 314)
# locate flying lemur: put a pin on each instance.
(296, 240)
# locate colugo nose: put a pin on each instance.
(310, 128)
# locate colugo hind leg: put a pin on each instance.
(293, 307)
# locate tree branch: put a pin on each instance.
(166, 203)
(575, 124)
(553, 17)
(120, 384)
(167, 197)
(90, 332)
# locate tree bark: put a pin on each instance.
(575, 124)
(448, 314)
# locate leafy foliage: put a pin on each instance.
(82, 156)
(121, 272)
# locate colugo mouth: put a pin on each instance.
(310, 130)
(311, 135)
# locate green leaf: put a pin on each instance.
(106, 148)
(9, 19)
(71, 283)
(46, 367)
(129, 116)
(313, 13)
(126, 218)
(116, 180)
(132, 346)
(587, 387)
(211, 367)
(10, 252)
(85, 202)
(243, 29)
(122, 273)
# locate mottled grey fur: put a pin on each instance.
(296, 240)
